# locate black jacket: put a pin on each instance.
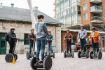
(11, 37)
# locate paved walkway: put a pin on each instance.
(59, 63)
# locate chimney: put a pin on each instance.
(12, 5)
(36, 8)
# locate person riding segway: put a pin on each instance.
(96, 52)
(11, 39)
(50, 48)
(83, 52)
(68, 39)
(41, 33)
(32, 39)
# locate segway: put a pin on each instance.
(46, 64)
(82, 53)
(52, 54)
(96, 54)
(9, 57)
(68, 54)
(49, 53)
(30, 55)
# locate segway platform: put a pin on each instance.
(46, 64)
(83, 54)
(68, 54)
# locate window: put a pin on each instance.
(85, 16)
(85, 6)
(57, 1)
(26, 39)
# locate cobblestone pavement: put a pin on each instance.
(59, 63)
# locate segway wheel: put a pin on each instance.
(9, 58)
(28, 55)
(47, 63)
(91, 55)
(15, 56)
(79, 54)
(100, 55)
(33, 62)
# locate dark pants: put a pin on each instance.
(40, 47)
(31, 46)
(68, 46)
(50, 47)
(95, 46)
(12, 47)
(83, 44)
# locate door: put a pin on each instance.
(2, 43)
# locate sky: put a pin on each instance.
(46, 6)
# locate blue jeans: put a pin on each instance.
(40, 47)
(83, 44)
(31, 46)
(95, 46)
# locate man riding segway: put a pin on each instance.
(32, 39)
(96, 52)
(82, 35)
(11, 39)
(41, 34)
(68, 39)
(49, 42)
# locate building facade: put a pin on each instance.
(91, 12)
(68, 12)
(20, 19)
(103, 5)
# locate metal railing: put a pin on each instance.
(96, 1)
(96, 9)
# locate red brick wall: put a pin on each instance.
(86, 22)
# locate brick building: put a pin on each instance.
(91, 13)
(20, 19)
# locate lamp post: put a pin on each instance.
(33, 19)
